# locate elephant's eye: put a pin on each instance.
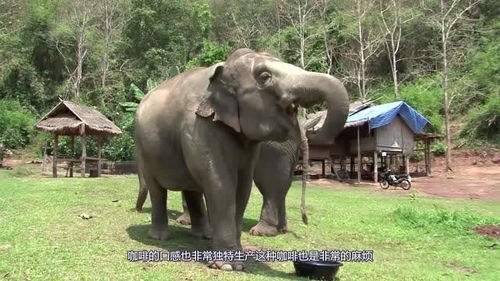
(264, 78)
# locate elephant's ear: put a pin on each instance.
(220, 101)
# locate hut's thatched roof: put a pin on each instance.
(68, 118)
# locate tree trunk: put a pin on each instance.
(444, 39)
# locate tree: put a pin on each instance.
(392, 24)
(300, 14)
(114, 17)
(450, 13)
(71, 35)
(365, 44)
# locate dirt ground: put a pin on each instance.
(492, 231)
(475, 175)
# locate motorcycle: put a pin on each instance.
(389, 178)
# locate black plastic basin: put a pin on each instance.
(319, 270)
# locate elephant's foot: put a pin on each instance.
(264, 229)
(202, 232)
(184, 219)
(226, 266)
(159, 234)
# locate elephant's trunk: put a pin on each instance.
(316, 88)
(304, 146)
(295, 85)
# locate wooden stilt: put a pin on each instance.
(84, 154)
(351, 164)
(323, 174)
(407, 164)
(359, 158)
(375, 166)
(99, 150)
(54, 159)
(72, 156)
(427, 158)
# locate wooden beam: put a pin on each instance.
(375, 166)
(99, 150)
(54, 159)
(72, 156)
(359, 158)
(84, 154)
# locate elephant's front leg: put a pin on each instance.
(273, 219)
(273, 183)
(222, 212)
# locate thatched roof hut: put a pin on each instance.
(68, 118)
(71, 119)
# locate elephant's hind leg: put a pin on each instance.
(159, 219)
(184, 219)
(198, 214)
(143, 193)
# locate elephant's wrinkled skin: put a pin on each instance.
(272, 176)
(200, 133)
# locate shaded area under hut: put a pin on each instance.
(76, 120)
(374, 138)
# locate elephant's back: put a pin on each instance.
(163, 116)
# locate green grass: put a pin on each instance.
(413, 238)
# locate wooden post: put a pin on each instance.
(72, 156)
(44, 161)
(99, 149)
(351, 163)
(323, 174)
(407, 164)
(54, 158)
(427, 158)
(375, 166)
(84, 154)
(359, 159)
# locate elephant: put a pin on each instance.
(272, 176)
(200, 132)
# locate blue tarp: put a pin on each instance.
(381, 115)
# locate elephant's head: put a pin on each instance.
(257, 95)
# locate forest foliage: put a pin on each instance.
(101, 53)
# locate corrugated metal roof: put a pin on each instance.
(381, 115)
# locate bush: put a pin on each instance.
(484, 123)
(16, 124)
(122, 147)
(438, 219)
(211, 53)
(438, 148)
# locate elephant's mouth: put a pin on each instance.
(291, 110)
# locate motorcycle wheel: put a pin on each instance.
(384, 184)
(405, 184)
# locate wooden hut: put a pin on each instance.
(383, 133)
(76, 120)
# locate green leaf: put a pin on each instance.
(138, 93)
(129, 104)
